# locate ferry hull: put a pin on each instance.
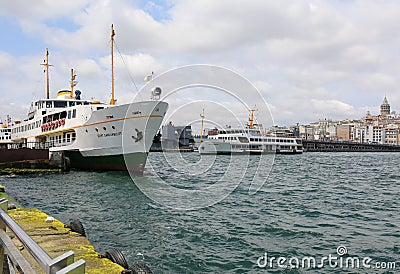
(228, 148)
(295, 151)
(252, 152)
(133, 162)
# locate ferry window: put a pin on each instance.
(73, 113)
(69, 114)
(49, 104)
(73, 136)
(252, 139)
(98, 108)
(97, 129)
(104, 128)
(113, 127)
(71, 104)
(60, 104)
(68, 138)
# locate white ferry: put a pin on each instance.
(90, 133)
(249, 140)
(5, 135)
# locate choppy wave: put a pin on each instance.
(308, 206)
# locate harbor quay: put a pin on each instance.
(34, 242)
(340, 146)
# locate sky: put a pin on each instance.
(309, 60)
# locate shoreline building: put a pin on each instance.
(379, 129)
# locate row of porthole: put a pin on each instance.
(97, 130)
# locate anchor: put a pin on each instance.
(139, 135)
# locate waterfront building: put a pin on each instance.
(378, 129)
(176, 137)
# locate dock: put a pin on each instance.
(32, 158)
(332, 146)
(54, 238)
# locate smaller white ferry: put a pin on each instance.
(5, 135)
(249, 140)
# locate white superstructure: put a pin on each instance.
(248, 140)
(5, 136)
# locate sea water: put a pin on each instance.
(314, 212)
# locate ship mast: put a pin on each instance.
(202, 125)
(112, 101)
(251, 118)
(47, 65)
(73, 83)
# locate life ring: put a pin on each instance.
(57, 123)
(53, 124)
(63, 121)
(46, 126)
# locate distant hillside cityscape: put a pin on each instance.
(376, 129)
(379, 129)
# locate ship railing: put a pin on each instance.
(60, 144)
(39, 145)
(31, 145)
(63, 264)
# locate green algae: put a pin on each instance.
(27, 171)
(56, 239)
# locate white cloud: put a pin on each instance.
(308, 58)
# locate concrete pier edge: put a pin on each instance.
(53, 237)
